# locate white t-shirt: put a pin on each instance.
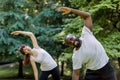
(91, 53)
(44, 58)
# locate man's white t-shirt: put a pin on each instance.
(44, 58)
(91, 53)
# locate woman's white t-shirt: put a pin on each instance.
(44, 58)
(91, 53)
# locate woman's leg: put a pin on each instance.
(44, 75)
(55, 73)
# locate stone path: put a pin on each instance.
(8, 65)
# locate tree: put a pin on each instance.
(38, 16)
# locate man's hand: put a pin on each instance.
(65, 10)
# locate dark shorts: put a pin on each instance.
(105, 73)
(54, 72)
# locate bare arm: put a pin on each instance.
(85, 15)
(35, 70)
(76, 74)
(30, 34)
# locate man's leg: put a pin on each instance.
(108, 72)
(105, 73)
(91, 75)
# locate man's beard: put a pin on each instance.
(78, 44)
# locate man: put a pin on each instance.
(88, 50)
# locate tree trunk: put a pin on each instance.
(119, 62)
(20, 70)
(118, 75)
(62, 68)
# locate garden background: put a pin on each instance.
(50, 28)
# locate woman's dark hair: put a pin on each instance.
(26, 56)
(26, 59)
(21, 49)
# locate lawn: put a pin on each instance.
(10, 72)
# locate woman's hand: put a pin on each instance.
(27, 33)
(21, 32)
(65, 10)
(15, 32)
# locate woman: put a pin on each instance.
(39, 55)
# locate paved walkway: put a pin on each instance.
(8, 65)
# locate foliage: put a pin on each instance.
(112, 45)
(105, 14)
(38, 16)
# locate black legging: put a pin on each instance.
(54, 72)
(105, 73)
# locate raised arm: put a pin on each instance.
(30, 34)
(85, 15)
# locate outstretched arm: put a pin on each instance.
(85, 15)
(35, 70)
(30, 34)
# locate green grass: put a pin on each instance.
(11, 72)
